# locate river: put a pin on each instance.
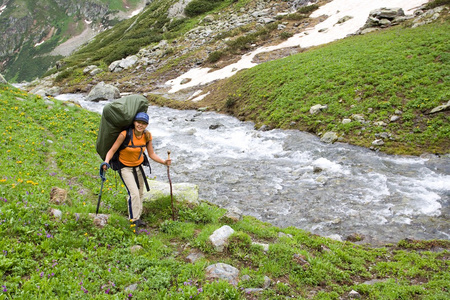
(290, 178)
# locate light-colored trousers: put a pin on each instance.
(135, 193)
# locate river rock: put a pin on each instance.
(182, 192)
(378, 142)
(329, 137)
(219, 238)
(103, 91)
(224, 272)
(234, 214)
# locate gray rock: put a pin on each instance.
(394, 118)
(354, 295)
(267, 282)
(440, 108)
(379, 123)
(99, 220)
(335, 237)
(219, 238)
(358, 117)
(253, 290)
(316, 108)
(131, 288)
(265, 247)
(346, 121)
(245, 277)
(387, 13)
(194, 256)
(135, 248)
(373, 281)
(56, 213)
(182, 192)
(378, 142)
(103, 91)
(329, 137)
(282, 234)
(89, 69)
(234, 214)
(344, 19)
(95, 71)
(224, 272)
(123, 64)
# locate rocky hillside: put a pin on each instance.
(31, 30)
(192, 54)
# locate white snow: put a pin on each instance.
(358, 9)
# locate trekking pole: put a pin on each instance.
(102, 176)
(170, 184)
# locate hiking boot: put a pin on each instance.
(139, 223)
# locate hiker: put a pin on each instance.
(131, 160)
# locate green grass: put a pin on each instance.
(47, 145)
(374, 75)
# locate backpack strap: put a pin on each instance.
(129, 138)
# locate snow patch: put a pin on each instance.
(358, 9)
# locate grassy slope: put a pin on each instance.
(373, 75)
(46, 145)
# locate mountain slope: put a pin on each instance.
(31, 30)
(367, 98)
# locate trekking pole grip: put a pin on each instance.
(168, 154)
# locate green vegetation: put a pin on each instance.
(47, 145)
(400, 71)
(198, 7)
(51, 22)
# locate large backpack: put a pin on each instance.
(116, 117)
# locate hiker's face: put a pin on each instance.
(140, 126)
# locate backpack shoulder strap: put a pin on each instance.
(129, 137)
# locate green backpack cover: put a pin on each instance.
(116, 117)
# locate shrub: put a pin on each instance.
(214, 56)
(198, 7)
(285, 35)
(308, 9)
(437, 3)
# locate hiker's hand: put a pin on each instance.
(105, 166)
(167, 162)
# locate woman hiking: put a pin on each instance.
(131, 159)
